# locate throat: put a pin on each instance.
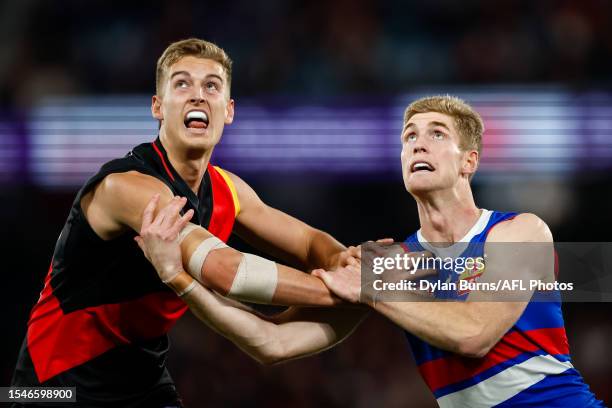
(190, 170)
(449, 225)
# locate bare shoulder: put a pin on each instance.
(247, 197)
(524, 227)
(117, 202)
(121, 185)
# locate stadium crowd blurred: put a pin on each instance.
(311, 50)
(302, 47)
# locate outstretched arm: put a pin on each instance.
(294, 333)
(116, 205)
(473, 327)
(283, 236)
(301, 331)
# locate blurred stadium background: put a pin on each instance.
(320, 89)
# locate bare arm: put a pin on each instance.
(292, 334)
(470, 328)
(282, 235)
(301, 333)
(117, 204)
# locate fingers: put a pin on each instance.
(180, 223)
(167, 223)
(352, 261)
(184, 220)
(323, 275)
(147, 215)
(174, 212)
(355, 251)
(385, 241)
(166, 217)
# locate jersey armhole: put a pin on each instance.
(232, 188)
(106, 170)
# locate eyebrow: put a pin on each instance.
(433, 123)
(188, 74)
(179, 73)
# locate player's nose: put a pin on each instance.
(419, 147)
(198, 96)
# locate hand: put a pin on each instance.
(355, 283)
(345, 281)
(158, 237)
(352, 255)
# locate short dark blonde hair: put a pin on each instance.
(467, 121)
(191, 47)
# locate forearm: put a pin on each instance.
(323, 251)
(292, 287)
(307, 331)
(248, 277)
(301, 332)
(451, 326)
(255, 336)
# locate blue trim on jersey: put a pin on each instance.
(490, 372)
(544, 311)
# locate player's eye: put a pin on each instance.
(437, 135)
(181, 84)
(212, 86)
(411, 137)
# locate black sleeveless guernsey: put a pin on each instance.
(102, 318)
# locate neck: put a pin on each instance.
(447, 215)
(190, 164)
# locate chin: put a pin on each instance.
(419, 187)
(196, 140)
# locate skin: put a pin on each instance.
(295, 333)
(192, 84)
(447, 212)
(470, 328)
(116, 205)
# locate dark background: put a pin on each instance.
(314, 50)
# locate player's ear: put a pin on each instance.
(470, 162)
(229, 112)
(156, 108)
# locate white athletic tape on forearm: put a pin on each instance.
(199, 255)
(255, 280)
(188, 289)
(185, 231)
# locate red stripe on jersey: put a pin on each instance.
(454, 368)
(222, 219)
(58, 341)
(161, 156)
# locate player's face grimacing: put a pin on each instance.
(194, 104)
(431, 155)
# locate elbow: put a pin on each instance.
(473, 350)
(474, 344)
(268, 359)
(269, 356)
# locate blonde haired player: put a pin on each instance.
(472, 352)
(101, 321)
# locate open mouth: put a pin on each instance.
(420, 166)
(196, 120)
